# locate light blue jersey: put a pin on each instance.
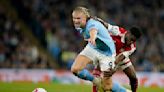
(104, 42)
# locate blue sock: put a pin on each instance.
(118, 88)
(85, 74)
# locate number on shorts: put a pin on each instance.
(110, 64)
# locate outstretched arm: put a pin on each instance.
(93, 35)
(119, 58)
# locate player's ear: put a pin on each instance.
(89, 18)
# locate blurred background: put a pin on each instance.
(38, 42)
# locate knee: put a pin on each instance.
(74, 69)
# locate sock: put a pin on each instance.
(96, 72)
(85, 74)
(118, 88)
(94, 88)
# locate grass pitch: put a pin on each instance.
(51, 87)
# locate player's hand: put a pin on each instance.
(92, 41)
(110, 72)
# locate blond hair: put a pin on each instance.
(83, 10)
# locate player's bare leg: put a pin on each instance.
(80, 63)
(130, 72)
(78, 69)
(107, 83)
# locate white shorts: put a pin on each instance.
(98, 58)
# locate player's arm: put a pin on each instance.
(125, 54)
(114, 30)
(119, 58)
(93, 35)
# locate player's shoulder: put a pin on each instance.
(93, 23)
(122, 30)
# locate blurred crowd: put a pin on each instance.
(51, 23)
(16, 50)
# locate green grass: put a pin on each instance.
(28, 87)
(148, 89)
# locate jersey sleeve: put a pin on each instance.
(113, 30)
(129, 50)
(92, 25)
(116, 30)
